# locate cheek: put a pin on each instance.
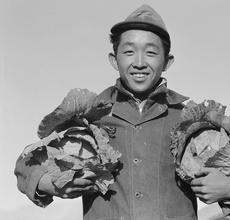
(124, 63)
(157, 66)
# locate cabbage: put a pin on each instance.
(201, 139)
(72, 146)
(77, 104)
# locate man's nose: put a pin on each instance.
(139, 62)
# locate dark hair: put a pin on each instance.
(115, 40)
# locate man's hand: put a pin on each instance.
(77, 187)
(210, 185)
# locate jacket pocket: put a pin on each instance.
(181, 202)
(182, 212)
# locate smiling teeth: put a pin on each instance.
(139, 74)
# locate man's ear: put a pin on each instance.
(113, 60)
(169, 62)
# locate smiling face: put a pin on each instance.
(140, 60)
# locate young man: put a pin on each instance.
(144, 111)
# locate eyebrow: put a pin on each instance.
(153, 45)
(150, 44)
(127, 44)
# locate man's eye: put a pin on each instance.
(151, 53)
(128, 52)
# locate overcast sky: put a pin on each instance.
(48, 47)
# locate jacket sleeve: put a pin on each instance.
(29, 172)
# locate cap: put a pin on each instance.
(143, 18)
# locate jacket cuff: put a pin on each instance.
(41, 200)
(225, 206)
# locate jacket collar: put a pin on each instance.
(123, 102)
(168, 96)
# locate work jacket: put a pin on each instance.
(146, 186)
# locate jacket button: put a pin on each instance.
(139, 195)
(136, 160)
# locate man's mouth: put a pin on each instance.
(139, 74)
